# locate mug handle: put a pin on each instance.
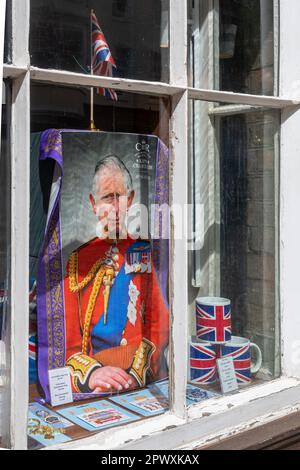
(255, 367)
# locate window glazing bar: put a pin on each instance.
(20, 152)
(240, 98)
(82, 80)
(179, 200)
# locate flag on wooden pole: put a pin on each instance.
(103, 63)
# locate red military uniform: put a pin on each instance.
(96, 335)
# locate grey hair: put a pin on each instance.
(112, 161)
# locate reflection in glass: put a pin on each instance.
(234, 251)
(232, 46)
(246, 47)
(138, 37)
(69, 108)
(248, 229)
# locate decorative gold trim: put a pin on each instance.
(90, 308)
(81, 367)
(141, 362)
(74, 285)
(103, 274)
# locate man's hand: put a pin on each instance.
(110, 378)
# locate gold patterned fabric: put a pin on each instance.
(141, 362)
(81, 367)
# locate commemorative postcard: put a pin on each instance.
(98, 415)
(145, 402)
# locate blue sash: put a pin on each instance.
(110, 335)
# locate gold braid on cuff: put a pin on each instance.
(81, 367)
(141, 361)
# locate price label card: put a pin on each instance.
(60, 386)
(227, 375)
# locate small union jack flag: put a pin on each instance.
(32, 292)
(102, 61)
(33, 359)
(213, 323)
(203, 366)
(32, 347)
(242, 361)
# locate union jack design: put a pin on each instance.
(32, 348)
(102, 61)
(32, 292)
(33, 375)
(203, 366)
(242, 361)
(213, 323)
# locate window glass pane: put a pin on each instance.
(106, 234)
(5, 207)
(249, 223)
(234, 285)
(137, 36)
(69, 108)
(232, 46)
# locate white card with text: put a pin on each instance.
(60, 386)
(227, 375)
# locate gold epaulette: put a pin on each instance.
(141, 362)
(81, 367)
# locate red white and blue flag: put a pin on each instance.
(33, 376)
(203, 367)
(214, 323)
(32, 347)
(242, 361)
(103, 63)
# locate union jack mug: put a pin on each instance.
(203, 362)
(213, 319)
(240, 350)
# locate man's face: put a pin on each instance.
(111, 200)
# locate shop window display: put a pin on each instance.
(234, 311)
(234, 308)
(99, 265)
(102, 254)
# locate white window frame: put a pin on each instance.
(183, 428)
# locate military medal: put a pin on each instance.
(138, 258)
